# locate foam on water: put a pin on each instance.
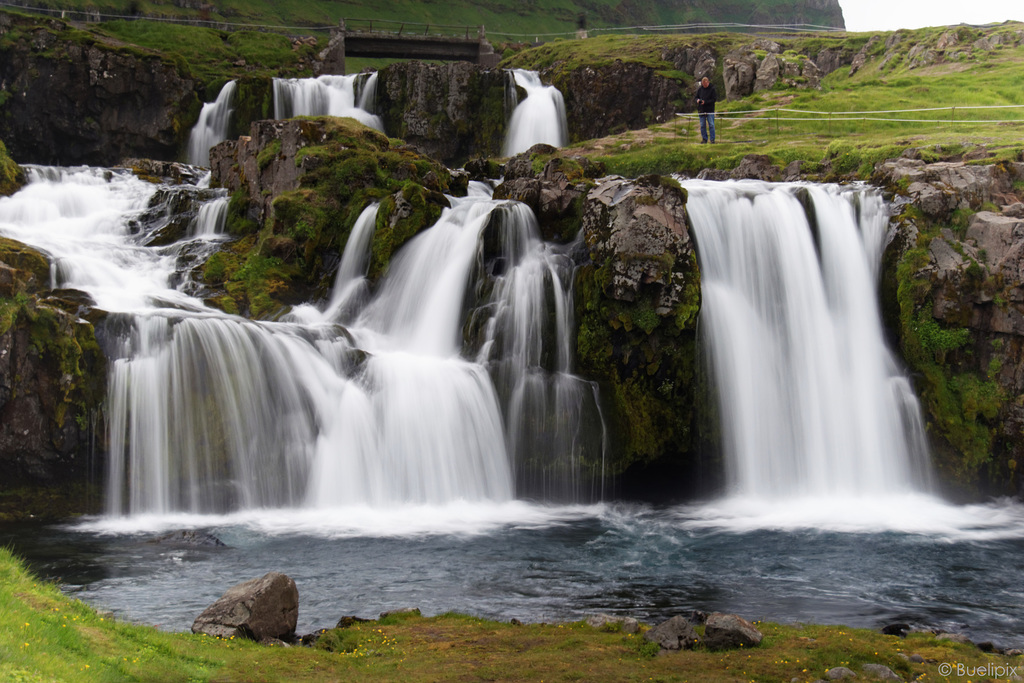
(458, 517)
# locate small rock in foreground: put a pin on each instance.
(881, 672)
(674, 634)
(627, 624)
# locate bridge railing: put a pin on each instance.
(412, 28)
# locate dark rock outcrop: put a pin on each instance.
(70, 101)
(617, 97)
(555, 194)
(955, 298)
(726, 631)
(451, 112)
(267, 607)
(52, 375)
(637, 298)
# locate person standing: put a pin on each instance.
(706, 97)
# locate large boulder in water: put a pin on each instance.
(267, 607)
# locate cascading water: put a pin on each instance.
(351, 96)
(212, 127)
(538, 118)
(210, 413)
(812, 401)
(212, 218)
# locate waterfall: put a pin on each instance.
(366, 399)
(212, 126)
(352, 96)
(211, 219)
(812, 401)
(540, 117)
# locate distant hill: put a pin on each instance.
(505, 20)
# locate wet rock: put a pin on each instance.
(898, 629)
(345, 622)
(309, 639)
(881, 672)
(171, 172)
(675, 634)
(714, 174)
(267, 607)
(726, 631)
(954, 638)
(839, 673)
(940, 188)
(401, 611)
(624, 624)
(189, 537)
(756, 167)
(450, 112)
(636, 224)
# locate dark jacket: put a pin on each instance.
(709, 96)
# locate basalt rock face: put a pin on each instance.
(619, 96)
(637, 299)
(72, 101)
(52, 374)
(556, 193)
(953, 289)
(450, 112)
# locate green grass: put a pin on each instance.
(836, 144)
(215, 57)
(501, 17)
(44, 637)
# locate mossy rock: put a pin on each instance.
(12, 176)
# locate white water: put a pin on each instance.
(813, 403)
(352, 96)
(212, 126)
(211, 413)
(540, 118)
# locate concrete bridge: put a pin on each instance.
(416, 42)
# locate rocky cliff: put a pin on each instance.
(953, 288)
(67, 99)
(52, 375)
(451, 112)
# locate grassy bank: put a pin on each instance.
(44, 636)
(967, 98)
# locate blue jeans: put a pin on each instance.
(707, 121)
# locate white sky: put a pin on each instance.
(889, 15)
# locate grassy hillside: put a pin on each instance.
(782, 123)
(45, 637)
(499, 16)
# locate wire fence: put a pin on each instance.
(836, 121)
